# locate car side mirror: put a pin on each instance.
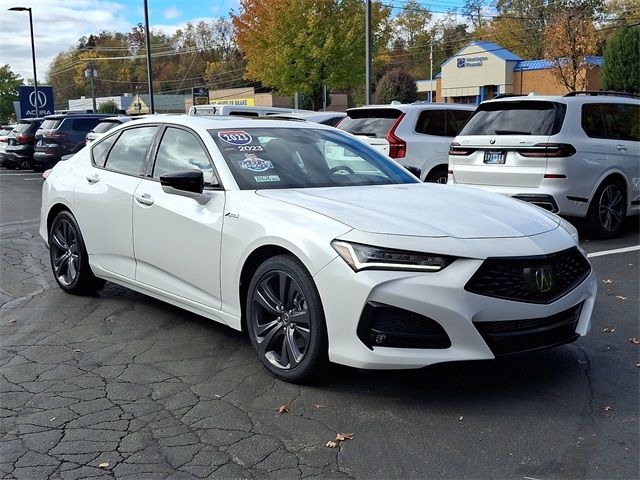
(184, 180)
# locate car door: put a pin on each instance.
(103, 198)
(177, 235)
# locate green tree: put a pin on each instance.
(108, 107)
(397, 85)
(621, 59)
(299, 45)
(9, 83)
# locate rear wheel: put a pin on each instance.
(69, 259)
(608, 210)
(285, 320)
(437, 175)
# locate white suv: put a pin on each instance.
(416, 135)
(576, 155)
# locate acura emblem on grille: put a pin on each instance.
(544, 279)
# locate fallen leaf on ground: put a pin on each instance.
(461, 418)
(331, 444)
(608, 280)
(620, 297)
(104, 465)
(634, 340)
(77, 350)
(608, 408)
(609, 330)
(52, 419)
(317, 405)
(13, 320)
(344, 436)
(283, 409)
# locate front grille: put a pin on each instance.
(516, 336)
(386, 326)
(536, 279)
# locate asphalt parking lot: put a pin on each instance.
(121, 385)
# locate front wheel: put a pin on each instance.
(285, 320)
(608, 210)
(69, 259)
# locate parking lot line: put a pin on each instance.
(615, 250)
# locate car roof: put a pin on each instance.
(406, 107)
(61, 116)
(228, 122)
(566, 98)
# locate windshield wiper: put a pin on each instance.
(511, 132)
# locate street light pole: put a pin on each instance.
(367, 53)
(149, 75)
(33, 56)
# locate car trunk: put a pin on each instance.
(506, 144)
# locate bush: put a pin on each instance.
(398, 85)
(108, 107)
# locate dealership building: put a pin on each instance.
(481, 70)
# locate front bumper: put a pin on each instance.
(439, 296)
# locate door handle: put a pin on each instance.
(93, 178)
(144, 199)
(621, 148)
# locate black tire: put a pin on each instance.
(438, 175)
(608, 210)
(69, 259)
(287, 328)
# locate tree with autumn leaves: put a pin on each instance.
(301, 45)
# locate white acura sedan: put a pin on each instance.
(316, 245)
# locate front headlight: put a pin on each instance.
(362, 257)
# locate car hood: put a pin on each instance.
(422, 210)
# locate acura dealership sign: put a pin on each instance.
(29, 99)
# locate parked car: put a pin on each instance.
(61, 135)
(104, 126)
(238, 110)
(19, 150)
(245, 222)
(5, 130)
(326, 118)
(416, 135)
(576, 155)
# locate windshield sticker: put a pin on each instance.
(235, 137)
(253, 163)
(250, 148)
(266, 178)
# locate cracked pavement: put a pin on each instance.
(120, 385)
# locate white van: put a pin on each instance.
(238, 110)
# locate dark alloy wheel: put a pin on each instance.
(608, 209)
(69, 259)
(439, 175)
(285, 319)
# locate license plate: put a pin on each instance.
(495, 158)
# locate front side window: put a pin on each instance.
(128, 153)
(303, 158)
(622, 121)
(180, 150)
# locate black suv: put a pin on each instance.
(20, 142)
(61, 135)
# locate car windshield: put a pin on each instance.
(22, 127)
(532, 117)
(370, 122)
(303, 158)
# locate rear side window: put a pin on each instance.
(442, 123)
(370, 122)
(22, 127)
(615, 121)
(100, 150)
(129, 151)
(51, 124)
(84, 124)
(516, 118)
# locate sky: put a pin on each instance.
(58, 24)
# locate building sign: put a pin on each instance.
(28, 101)
(200, 95)
(248, 102)
(471, 62)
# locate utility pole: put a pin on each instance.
(149, 74)
(431, 72)
(367, 73)
(90, 72)
(324, 97)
